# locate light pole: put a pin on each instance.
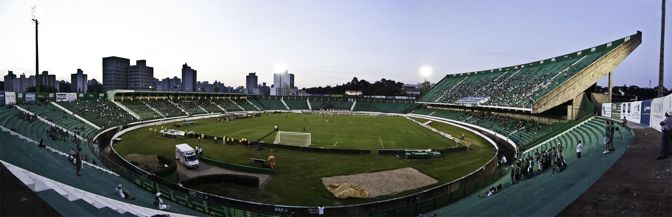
(37, 58)
(662, 53)
(426, 71)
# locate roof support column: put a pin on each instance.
(610, 86)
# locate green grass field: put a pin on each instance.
(297, 180)
(344, 131)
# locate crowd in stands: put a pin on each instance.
(518, 86)
(520, 131)
(57, 134)
(27, 116)
(166, 108)
(537, 163)
(100, 111)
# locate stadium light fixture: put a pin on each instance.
(426, 71)
(280, 67)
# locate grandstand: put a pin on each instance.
(227, 104)
(296, 103)
(270, 103)
(384, 105)
(87, 195)
(327, 103)
(547, 194)
(101, 112)
(56, 115)
(522, 132)
(192, 106)
(245, 104)
(529, 86)
(140, 108)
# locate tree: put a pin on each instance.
(383, 87)
(94, 87)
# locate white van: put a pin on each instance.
(186, 155)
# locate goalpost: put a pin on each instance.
(293, 138)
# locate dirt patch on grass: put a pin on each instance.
(148, 163)
(382, 183)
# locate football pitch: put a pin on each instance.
(297, 179)
(330, 130)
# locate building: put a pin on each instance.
(204, 86)
(251, 83)
(10, 82)
(170, 84)
(291, 80)
(64, 86)
(283, 84)
(78, 82)
(140, 76)
(46, 80)
(115, 75)
(93, 86)
(265, 90)
(24, 83)
(188, 78)
(118, 73)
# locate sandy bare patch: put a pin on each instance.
(383, 183)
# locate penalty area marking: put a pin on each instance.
(381, 141)
(335, 143)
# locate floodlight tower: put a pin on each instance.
(37, 57)
(662, 51)
(426, 71)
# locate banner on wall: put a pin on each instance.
(632, 111)
(10, 98)
(646, 113)
(66, 97)
(658, 109)
(616, 110)
(30, 97)
(606, 110)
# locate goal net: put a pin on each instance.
(292, 138)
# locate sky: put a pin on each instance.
(325, 42)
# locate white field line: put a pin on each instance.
(335, 143)
(381, 141)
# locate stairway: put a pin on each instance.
(284, 103)
(234, 102)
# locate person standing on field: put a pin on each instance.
(78, 160)
(666, 136)
(579, 149)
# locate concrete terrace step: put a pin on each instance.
(56, 167)
(40, 183)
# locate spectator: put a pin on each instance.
(579, 149)
(606, 144)
(666, 135)
(612, 130)
(320, 210)
(78, 160)
(71, 157)
(158, 202)
(122, 193)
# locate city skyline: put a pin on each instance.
(324, 43)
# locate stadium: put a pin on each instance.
(519, 140)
